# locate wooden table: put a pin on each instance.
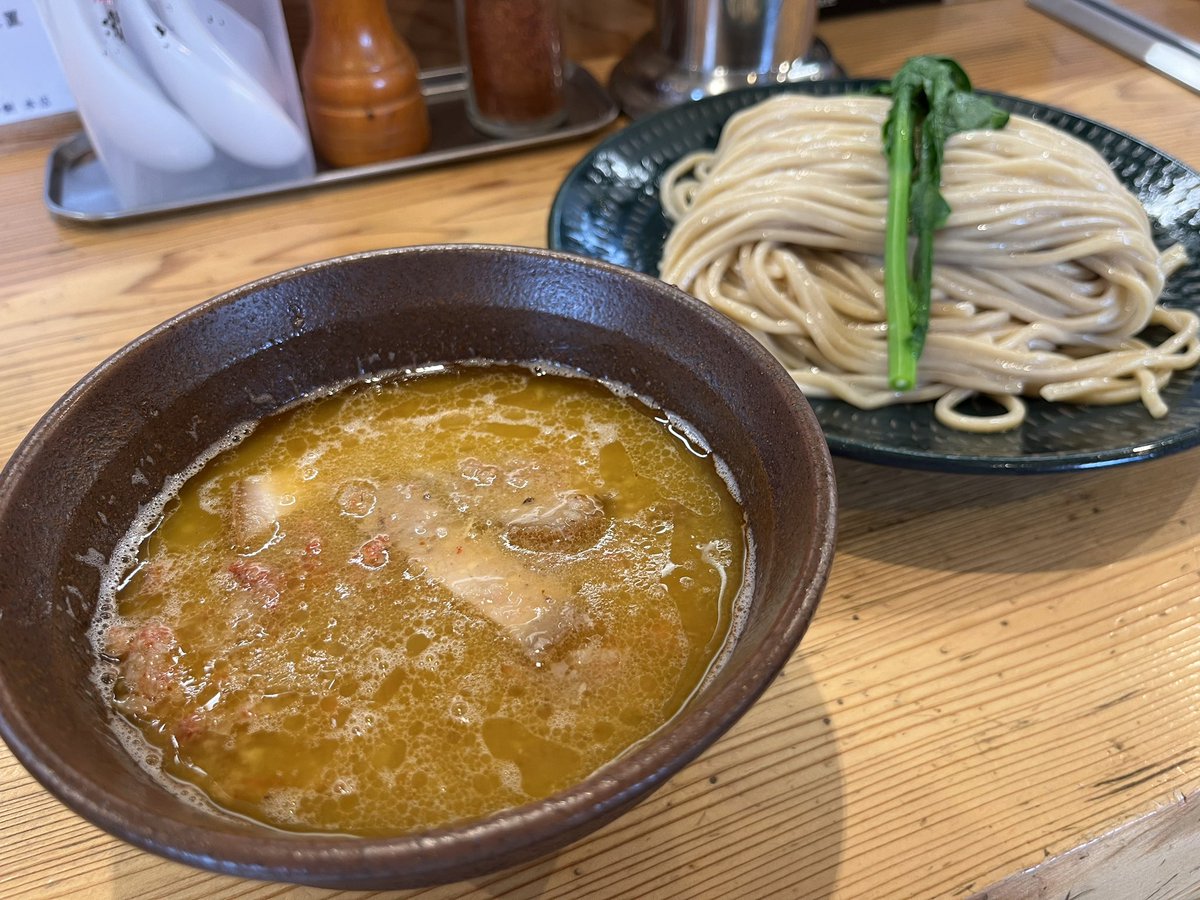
(1001, 670)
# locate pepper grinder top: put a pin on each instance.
(361, 86)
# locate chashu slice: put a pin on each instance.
(535, 608)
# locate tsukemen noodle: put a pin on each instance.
(1045, 275)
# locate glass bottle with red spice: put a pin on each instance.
(514, 58)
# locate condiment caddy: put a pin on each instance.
(77, 187)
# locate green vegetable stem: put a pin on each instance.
(931, 100)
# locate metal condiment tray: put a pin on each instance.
(78, 189)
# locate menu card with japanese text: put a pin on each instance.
(31, 82)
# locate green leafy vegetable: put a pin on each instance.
(931, 100)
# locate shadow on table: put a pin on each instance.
(1011, 523)
(758, 814)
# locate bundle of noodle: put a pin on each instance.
(1044, 273)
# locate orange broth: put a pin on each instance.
(424, 599)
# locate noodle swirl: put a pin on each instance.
(1046, 269)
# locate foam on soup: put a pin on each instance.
(422, 600)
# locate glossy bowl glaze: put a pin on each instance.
(72, 488)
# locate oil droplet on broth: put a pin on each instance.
(480, 586)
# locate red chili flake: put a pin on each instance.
(250, 574)
(260, 579)
(191, 727)
(147, 664)
(357, 498)
(154, 636)
(373, 554)
(515, 54)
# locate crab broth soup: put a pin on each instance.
(421, 600)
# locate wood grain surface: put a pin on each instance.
(1002, 669)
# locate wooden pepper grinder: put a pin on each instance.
(361, 89)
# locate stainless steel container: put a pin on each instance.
(703, 47)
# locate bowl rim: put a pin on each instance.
(539, 826)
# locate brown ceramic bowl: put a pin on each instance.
(75, 484)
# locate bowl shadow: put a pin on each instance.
(991, 523)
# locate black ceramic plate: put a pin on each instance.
(608, 208)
